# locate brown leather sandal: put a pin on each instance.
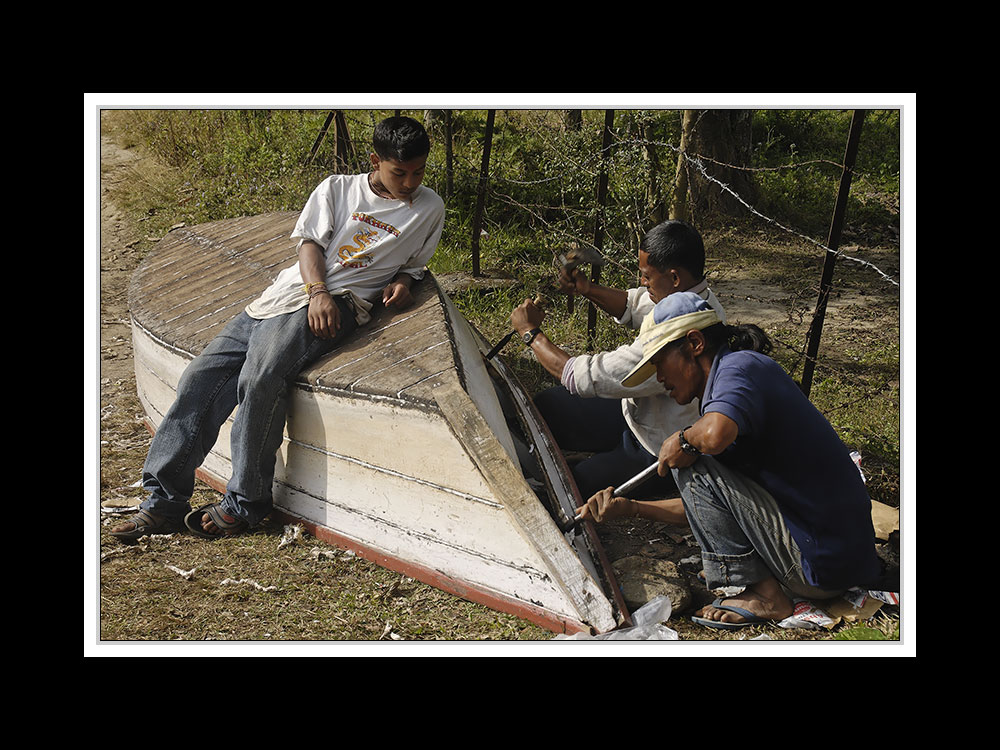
(145, 523)
(214, 511)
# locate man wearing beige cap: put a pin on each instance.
(770, 491)
(590, 411)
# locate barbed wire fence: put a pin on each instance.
(558, 197)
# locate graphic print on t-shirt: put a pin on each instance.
(358, 255)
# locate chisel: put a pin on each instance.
(502, 343)
(538, 301)
(620, 491)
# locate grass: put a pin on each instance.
(253, 589)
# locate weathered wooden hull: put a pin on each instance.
(404, 445)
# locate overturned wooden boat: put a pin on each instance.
(406, 445)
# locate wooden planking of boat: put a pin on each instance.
(405, 445)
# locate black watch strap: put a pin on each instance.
(528, 337)
(685, 445)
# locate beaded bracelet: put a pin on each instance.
(685, 445)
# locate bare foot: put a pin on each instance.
(765, 599)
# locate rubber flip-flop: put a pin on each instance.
(226, 528)
(749, 618)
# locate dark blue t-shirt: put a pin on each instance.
(790, 449)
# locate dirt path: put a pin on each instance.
(118, 261)
(123, 438)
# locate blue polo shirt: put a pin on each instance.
(788, 447)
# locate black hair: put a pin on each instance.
(738, 338)
(675, 243)
(400, 138)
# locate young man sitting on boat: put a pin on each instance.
(592, 411)
(773, 497)
(363, 239)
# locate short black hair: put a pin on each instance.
(400, 138)
(675, 243)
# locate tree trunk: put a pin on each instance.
(655, 208)
(679, 202)
(720, 140)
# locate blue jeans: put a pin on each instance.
(597, 425)
(251, 364)
(740, 529)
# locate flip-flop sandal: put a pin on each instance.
(226, 528)
(146, 523)
(749, 618)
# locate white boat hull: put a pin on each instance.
(397, 446)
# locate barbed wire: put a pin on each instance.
(590, 165)
(569, 169)
(838, 253)
(585, 164)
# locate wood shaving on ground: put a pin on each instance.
(387, 633)
(113, 553)
(316, 553)
(393, 588)
(292, 534)
(249, 582)
(185, 574)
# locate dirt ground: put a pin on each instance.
(124, 438)
(119, 257)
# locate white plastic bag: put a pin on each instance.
(647, 625)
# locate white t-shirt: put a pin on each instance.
(366, 240)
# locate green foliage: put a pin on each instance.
(803, 151)
(881, 629)
(543, 174)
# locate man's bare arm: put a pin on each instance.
(528, 316)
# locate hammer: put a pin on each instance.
(574, 256)
(619, 491)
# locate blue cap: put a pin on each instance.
(677, 304)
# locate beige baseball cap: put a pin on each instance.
(670, 320)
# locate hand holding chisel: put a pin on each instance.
(533, 309)
(622, 490)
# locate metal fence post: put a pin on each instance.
(602, 199)
(484, 172)
(836, 226)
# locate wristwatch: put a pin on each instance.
(528, 337)
(685, 445)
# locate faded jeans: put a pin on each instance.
(740, 529)
(597, 425)
(251, 364)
